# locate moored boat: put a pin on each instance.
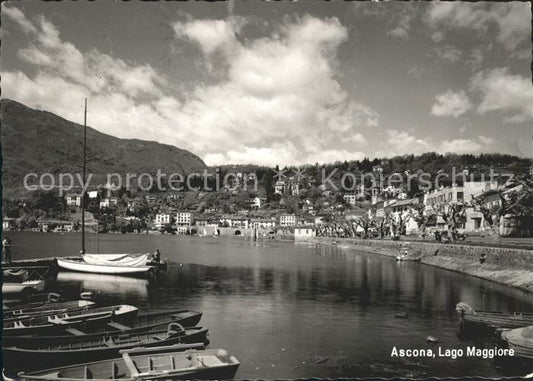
(520, 340)
(407, 258)
(45, 324)
(82, 349)
(56, 325)
(34, 300)
(80, 265)
(491, 320)
(14, 275)
(47, 309)
(120, 313)
(159, 363)
(144, 322)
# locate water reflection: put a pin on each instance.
(112, 285)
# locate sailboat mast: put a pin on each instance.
(83, 186)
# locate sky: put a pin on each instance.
(280, 83)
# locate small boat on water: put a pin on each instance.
(140, 364)
(47, 309)
(407, 258)
(121, 312)
(144, 322)
(14, 275)
(491, 320)
(405, 254)
(80, 265)
(520, 340)
(44, 324)
(33, 300)
(22, 290)
(56, 325)
(104, 347)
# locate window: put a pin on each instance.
(460, 196)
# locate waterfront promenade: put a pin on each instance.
(510, 265)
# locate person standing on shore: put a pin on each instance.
(6, 245)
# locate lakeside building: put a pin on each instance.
(302, 233)
(404, 210)
(287, 220)
(444, 197)
(73, 199)
(184, 221)
(256, 202)
(162, 219)
(262, 223)
(108, 202)
(9, 223)
(239, 222)
(280, 187)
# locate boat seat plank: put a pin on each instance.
(118, 326)
(75, 332)
(131, 366)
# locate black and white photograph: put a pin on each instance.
(266, 190)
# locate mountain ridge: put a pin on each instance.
(35, 141)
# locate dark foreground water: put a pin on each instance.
(289, 310)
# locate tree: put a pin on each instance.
(364, 222)
(515, 201)
(454, 216)
(421, 214)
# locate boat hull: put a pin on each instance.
(142, 323)
(80, 323)
(521, 341)
(169, 365)
(27, 359)
(83, 267)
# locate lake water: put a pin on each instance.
(289, 310)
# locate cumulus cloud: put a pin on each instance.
(399, 142)
(210, 35)
(511, 20)
(459, 146)
(277, 101)
(18, 16)
(401, 30)
(449, 53)
(505, 92)
(451, 103)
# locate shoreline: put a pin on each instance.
(507, 266)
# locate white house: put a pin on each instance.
(162, 219)
(239, 222)
(304, 233)
(108, 202)
(262, 223)
(287, 220)
(73, 199)
(350, 198)
(280, 187)
(183, 219)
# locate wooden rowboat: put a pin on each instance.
(491, 320)
(33, 301)
(85, 321)
(144, 322)
(14, 275)
(47, 309)
(80, 265)
(520, 340)
(104, 347)
(120, 312)
(159, 363)
(45, 324)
